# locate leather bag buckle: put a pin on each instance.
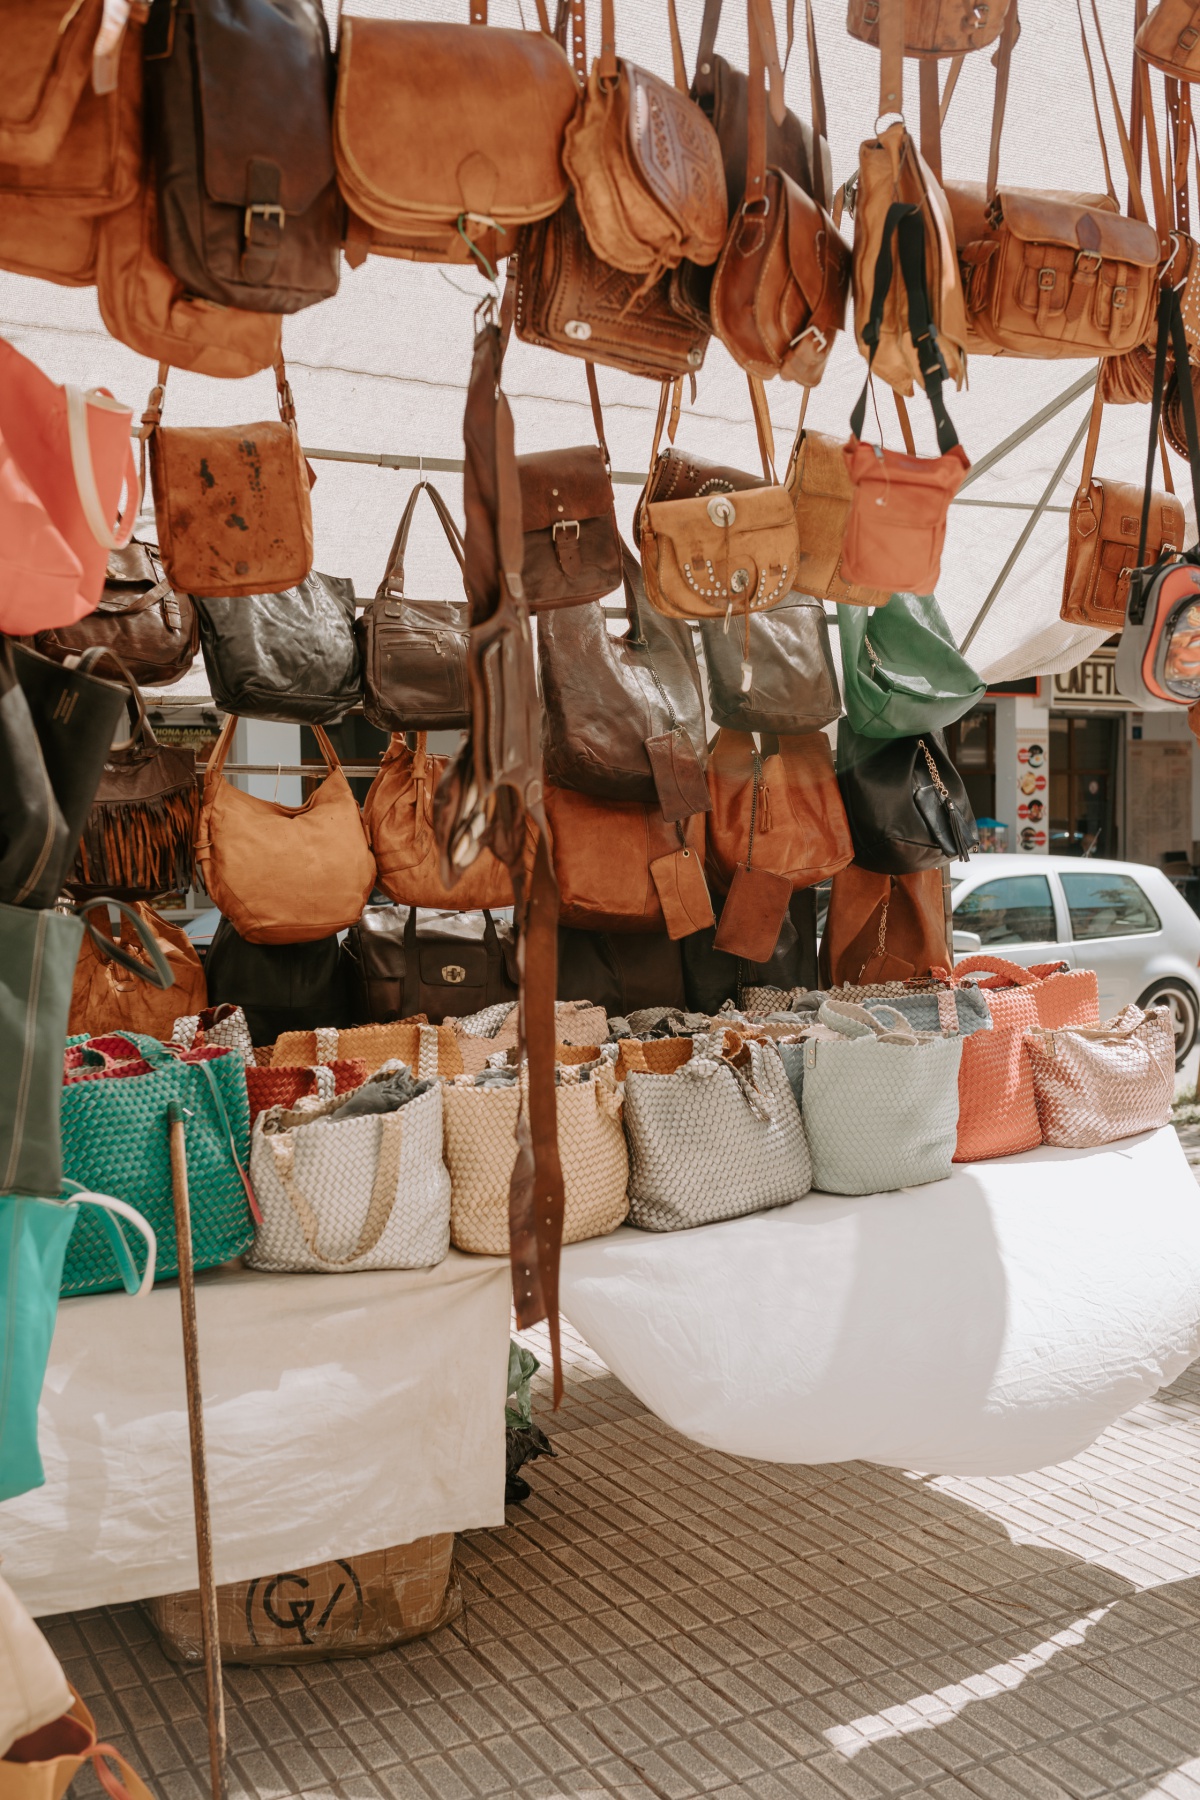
(265, 211)
(1187, 37)
(565, 525)
(1087, 262)
(1120, 296)
(1046, 279)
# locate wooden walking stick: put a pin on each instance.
(210, 1634)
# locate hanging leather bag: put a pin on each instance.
(280, 987)
(34, 845)
(934, 27)
(137, 839)
(108, 996)
(447, 138)
(49, 66)
(644, 162)
(818, 482)
(623, 716)
(882, 928)
(572, 545)
(793, 683)
(403, 961)
(621, 866)
(902, 672)
(1169, 39)
(414, 652)
(398, 817)
(289, 656)
(150, 628)
(282, 874)
(906, 803)
(231, 501)
(238, 121)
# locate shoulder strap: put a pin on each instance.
(394, 573)
(904, 221)
(891, 58)
(1008, 38)
(1093, 438)
(1137, 204)
(816, 93)
(709, 26)
(754, 197)
(1170, 327)
(159, 974)
(763, 427)
(606, 65)
(597, 414)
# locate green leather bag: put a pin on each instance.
(902, 673)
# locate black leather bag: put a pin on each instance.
(238, 115)
(280, 987)
(291, 656)
(414, 652)
(620, 971)
(711, 976)
(793, 683)
(140, 618)
(906, 803)
(404, 960)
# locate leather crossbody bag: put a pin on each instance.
(906, 803)
(819, 484)
(231, 501)
(140, 618)
(572, 545)
(414, 652)
(289, 656)
(934, 27)
(1169, 39)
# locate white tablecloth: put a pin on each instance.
(343, 1413)
(989, 1324)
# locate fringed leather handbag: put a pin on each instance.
(137, 841)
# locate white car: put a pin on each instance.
(1125, 920)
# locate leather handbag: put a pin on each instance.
(414, 652)
(1169, 39)
(107, 996)
(621, 866)
(644, 162)
(49, 69)
(150, 628)
(620, 971)
(137, 839)
(448, 138)
(934, 27)
(818, 482)
(231, 501)
(279, 987)
(883, 928)
(624, 716)
(776, 814)
(713, 977)
(902, 673)
(398, 818)
(282, 874)
(572, 545)
(427, 1050)
(403, 961)
(238, 117)
(1096, 1083)
(793, 683)
(290, 656)
(284, 1084)
(906, 803)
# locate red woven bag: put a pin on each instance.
(997, 1111)
(291, 1082)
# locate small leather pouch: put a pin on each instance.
(682, 892)
(678, 776)
(753, 914)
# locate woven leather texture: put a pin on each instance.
(427, 1049)
(364, 1193)
(229, 1032)
(1109, 1081)
(880, 1114)
(480, 1150)
(712, 1141)
(481, 1034)
(285, 1085)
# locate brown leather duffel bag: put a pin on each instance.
(140, 618)
(398, 816)
(934, 27)
(414, 652)
(572, 545)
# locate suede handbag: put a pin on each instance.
(902, 672)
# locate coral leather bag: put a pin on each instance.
(69, 494)
(997, 1109)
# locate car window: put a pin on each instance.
(1017, 909)
(1104, 906)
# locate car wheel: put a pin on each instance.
(1184, 1008)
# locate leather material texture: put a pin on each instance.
(1102, 548)
(934, 27)
(290, 656)
(137, 839)
(620, 971)
(47, 66)
(1093, 1084)
(140, 618)
(280, 987)
(779, 811)
(106, 997)
(402, 962)
(793, 683)
(603, 850)
(882, 928)
(896, 529)
(753, 914)
(414, 652)
(1169, 39)
(711, 976)
(819, 484)
(703, 558)
(398, 816)
(572, 545)
(902, 672)
(906, 803)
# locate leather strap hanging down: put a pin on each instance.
(816, 94)
(904, 222)
(891, 58)
(765, 18)
(1170, 329)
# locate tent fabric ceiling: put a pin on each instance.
(383, 366)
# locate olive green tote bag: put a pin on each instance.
(902, 673)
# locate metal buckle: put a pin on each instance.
(1046, 278)
(1092, 256)
(1187, 37)
(814, 332)
(264, 212)
(565, 525)
(1120, 296)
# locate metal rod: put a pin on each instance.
(1051, 410)
(352, 771)
(209, 1629)
(446, 465)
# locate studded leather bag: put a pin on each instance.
(414, 652)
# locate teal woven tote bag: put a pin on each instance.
(902, 673)
(115, 1139)
(33, 1243)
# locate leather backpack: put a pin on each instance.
(403, 961)
(1169, 39)
(231, 501)
(934, 27)
(644, 162)
(621, 866)
(793, 683)
(414, 652)
(624, 716)
(572, 545)
(398, 816)
(818, 482)
(448, 138)
(151, 629)
(237, 100)
(288, 656)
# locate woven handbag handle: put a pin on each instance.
(1005, 972)
(383, 1192)
(108, 1212)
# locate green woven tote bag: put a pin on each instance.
(115, 1139)
(902, 673)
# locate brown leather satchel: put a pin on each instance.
(1170, 39)
(1103, 536)
(779, 293)
(239, 128)
(934, 27)
(448, 138)
(398, 816)
(414, 652)
(283, 874)
(819, 484)
(231, 501)
(141, 619)
(644, 162)
(47, 67)
(572, 545)
(883, 928)
(779, 811)
(621, 866)
(137, 838)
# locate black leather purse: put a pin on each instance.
(620, 971)
(403, 960)
(793, 683)
(279, 987)
(414, 652)
(711, 976)
(906, 803)
(291, 656)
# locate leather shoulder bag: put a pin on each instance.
(414, 652)
(280, 987)
(289, 656)
(818, 482)
(644, 162)
(779, 293)
(231, 501)
(621, 866)
(572, 545)
(398, 816)
(48, 69)
(282, 874)
(137, 839)
(906, 803)
(624, 716)
(141, 619)
(902, 672)
(404, 961)
(935, 27)
(238, 120)
(1169, 39)
(448, 138)
(793, 683)
(108, 996)
(882, 928)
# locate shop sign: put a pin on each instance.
(1033, 798)
(1091, 685)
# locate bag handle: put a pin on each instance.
(394, 572)
(1137, 203)
(904, 221)
(1008, 36)
(597, 414)
(159, 974)
(891, 59)
(214, 768)
(109, 1210)
(820, 125)
(79, 441)
(1005, 973)
(383, 1192)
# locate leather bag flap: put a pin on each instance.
(262, 72)
(563, 484)
(132, 566)
(444, 962)
(1045, 219)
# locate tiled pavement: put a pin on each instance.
(661, 1622)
